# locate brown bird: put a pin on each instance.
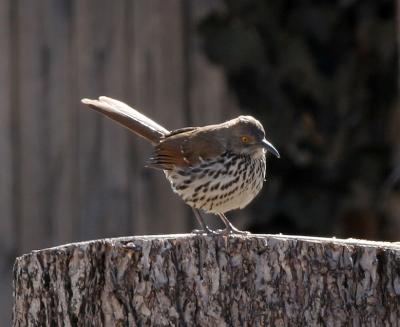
(214, 168)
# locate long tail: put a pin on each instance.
(128, 117)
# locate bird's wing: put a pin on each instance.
(186, 148)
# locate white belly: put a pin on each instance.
(218, 187)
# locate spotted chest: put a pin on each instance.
(222, 184)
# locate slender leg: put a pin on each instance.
(230, 229)
(204, 227)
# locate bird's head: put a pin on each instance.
(247, 136)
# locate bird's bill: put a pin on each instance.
(270, 148)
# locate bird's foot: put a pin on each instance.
(232, 230)
(205, 229)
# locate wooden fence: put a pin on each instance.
(66, 173)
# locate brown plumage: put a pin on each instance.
(214, 168)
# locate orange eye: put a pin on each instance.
(245, 139)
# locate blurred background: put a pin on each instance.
(322, 76)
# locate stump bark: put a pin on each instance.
(189, 280)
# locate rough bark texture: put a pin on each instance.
(187, 280)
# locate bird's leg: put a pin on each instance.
(204, 227)
(229, 228)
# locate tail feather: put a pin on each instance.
(128, 117)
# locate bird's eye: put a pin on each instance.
(245, 139)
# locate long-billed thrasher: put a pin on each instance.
(214, 168)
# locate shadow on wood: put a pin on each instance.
(186, 280)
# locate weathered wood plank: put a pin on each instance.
(188, 280)
(6, 154)
(8, 241)
(103, 147)
(157, 88)
(36, 221)
(60, 98)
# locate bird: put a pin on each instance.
(214, 169)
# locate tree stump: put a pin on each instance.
(194, 280)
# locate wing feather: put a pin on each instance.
(187, 148)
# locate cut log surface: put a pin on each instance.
(194, 280)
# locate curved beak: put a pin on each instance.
(270, 148)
